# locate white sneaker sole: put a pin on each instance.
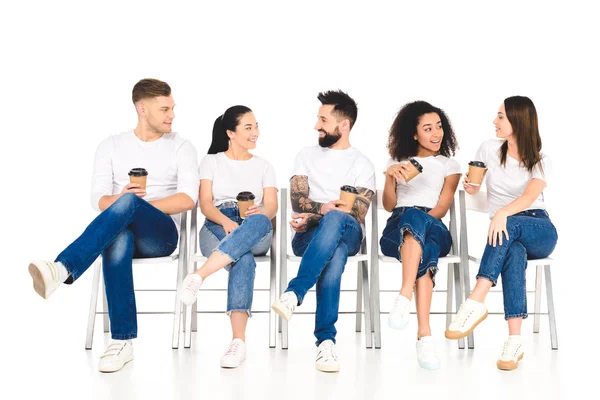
(509, 365)
(38, 280)
(282, 310)
(226, 364)
(455, 335)
(115, 368)
(328, 368)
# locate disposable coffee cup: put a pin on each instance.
(414, 169)
(244, 200)
(477, 170)
(138, 175)
(348, 194)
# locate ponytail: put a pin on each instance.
(228, 121)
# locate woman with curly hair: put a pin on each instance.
(421, 136)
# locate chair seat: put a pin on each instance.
(442, 260)
(539, 261)
(356, 258)
(198, 257)
(157, 260)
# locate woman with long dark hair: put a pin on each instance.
(230, 236)
(520, 227)
(421, 137)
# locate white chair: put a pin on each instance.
(478, 203)
(179, 256)
(191, 313)
(456, 281)
(362, 274)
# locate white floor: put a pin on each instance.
(50, 361)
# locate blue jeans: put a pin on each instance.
(324, 250)
(431, 234)
(130, 228)
(531, 236)
(251, 238)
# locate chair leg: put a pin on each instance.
(105, 319)
(283, 284)
(551, 312)
(194, 317)
(539, 272)
(181, 266)
(449, 292)
(272, 297)
(93, 304)
(359, 295)
(363, 266)
(376, 302)
(458, 293)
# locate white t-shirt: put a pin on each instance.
(171, 162)
(231, 177)
(506, 183)
(328, 170)
(425, 188)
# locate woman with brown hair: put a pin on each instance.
(520, 227)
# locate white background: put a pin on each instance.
(68, 68)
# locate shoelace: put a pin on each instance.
(114, 349)
(406, 305)
(463, 315)
(427, 349)
(194, 285)
(289, 301)
(507, 351)
(233, 349)
(328, 352)
(53, 270)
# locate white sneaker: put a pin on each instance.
(188, 291)
(46, 276)
(512, 353)
(116, 355)
(235, 354)
(426, 353)
(469, 315)
(327, 360)
(398, 317)
(286, 305)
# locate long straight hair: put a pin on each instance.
(522, 116)
(228, 121)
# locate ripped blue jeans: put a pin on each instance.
(430, 233)
(251, 238)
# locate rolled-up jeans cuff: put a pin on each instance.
(489, 278)
(228, 312)
(521, 315)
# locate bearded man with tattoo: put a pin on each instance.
(325, 235)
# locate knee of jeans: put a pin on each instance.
(120, 247)
(125, 202)
(261, 221)
(334, 217)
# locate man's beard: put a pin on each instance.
(330, 138)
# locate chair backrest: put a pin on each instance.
(380, 212)
(476, 202)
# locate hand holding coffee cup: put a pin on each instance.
(244, 200)
(412, 168)
(138, 175)
(348, 195)
(477, 170)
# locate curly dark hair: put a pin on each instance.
(401, 143)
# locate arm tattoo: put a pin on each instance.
(361, 204)
(313, 220)
(299, 196)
